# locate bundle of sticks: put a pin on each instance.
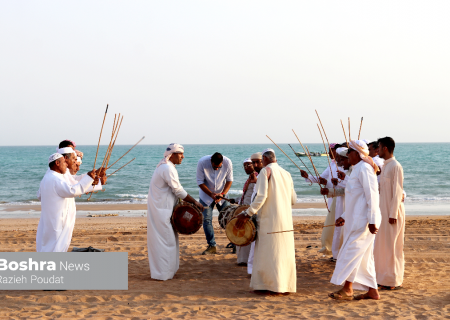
(114, 134)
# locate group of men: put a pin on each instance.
(57, 191)
(364, 184)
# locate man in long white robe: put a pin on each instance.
(163, 194)
(55, 228)
(388, 251)
(355, 267)
(246, 199)
(274, 268)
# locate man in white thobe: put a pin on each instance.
(246, 199)
(163, 194)
(55, 227)
(355, 267)
(274, 269)
(337, 192)
(327, 175)
(388, 251)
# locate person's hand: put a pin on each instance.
(341, 175)
(403, 198)
(304, 174)
(378, 172)
(392, 221)
(323, 181)
(253, 178)
(324, 191)
(92, 174)
(216, 196)
(242, 218)
(334, 181)
(339, 222)
(373, 229)
(199, 206)
(103, 180)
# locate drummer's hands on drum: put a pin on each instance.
(199, 205)
(242, 218)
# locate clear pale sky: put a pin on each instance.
(223, 71)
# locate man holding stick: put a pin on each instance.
(57, 221)
(165, 189)
(388, 252)
(355, 267)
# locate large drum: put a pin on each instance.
(186, 218)
(229, 213)
(244, 236)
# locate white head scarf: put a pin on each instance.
(79, 160)
(342, 152)
(248, 160)
(66, 150)
(54, 157)
(172, 148)
(267, 150)
(256, 156)
(361, 147)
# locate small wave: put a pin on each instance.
(127, 195)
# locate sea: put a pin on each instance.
(426, 173)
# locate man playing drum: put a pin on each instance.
(165, 190)
(246, 199)
(274, 270)
(214, 178)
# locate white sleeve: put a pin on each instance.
(170, 176)
(64, 190)
(369, 182)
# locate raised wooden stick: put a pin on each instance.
(329, 147)
(121, 167)
(284, 153)
(307, 153)
(328, 158)
(360, 126)
(349, 136)
(114, 143)
(127, 152)
(112, 136)
(280, 231)
(300, 160)
(98, 146)
(345, 135)
(330, 225)
(325, 199)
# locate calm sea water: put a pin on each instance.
(426, 170)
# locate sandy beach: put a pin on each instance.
(207, 287)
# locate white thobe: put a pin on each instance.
(355, 262)
(56, 224)
(274, 261)
(388, 251)
(162, 241)
(244, 252)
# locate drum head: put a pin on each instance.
(237, 211)
(224, 215)
(241, 237)
(186, 219)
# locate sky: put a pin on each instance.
(223, 72)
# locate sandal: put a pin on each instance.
(390, 288)
(363, 296)
(340, 295)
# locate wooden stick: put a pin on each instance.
(284, 152)
(307, 153)
(121, 167)
(328, 158)
(325, 199)
(98, 146)
(300, 160)
(280, 231)
(114, 143)
(345, 135)
(349, 136)
(112, 136)
(330, 225)
(126, 152)
(360, 126)
(329, 147)
(310, 159)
